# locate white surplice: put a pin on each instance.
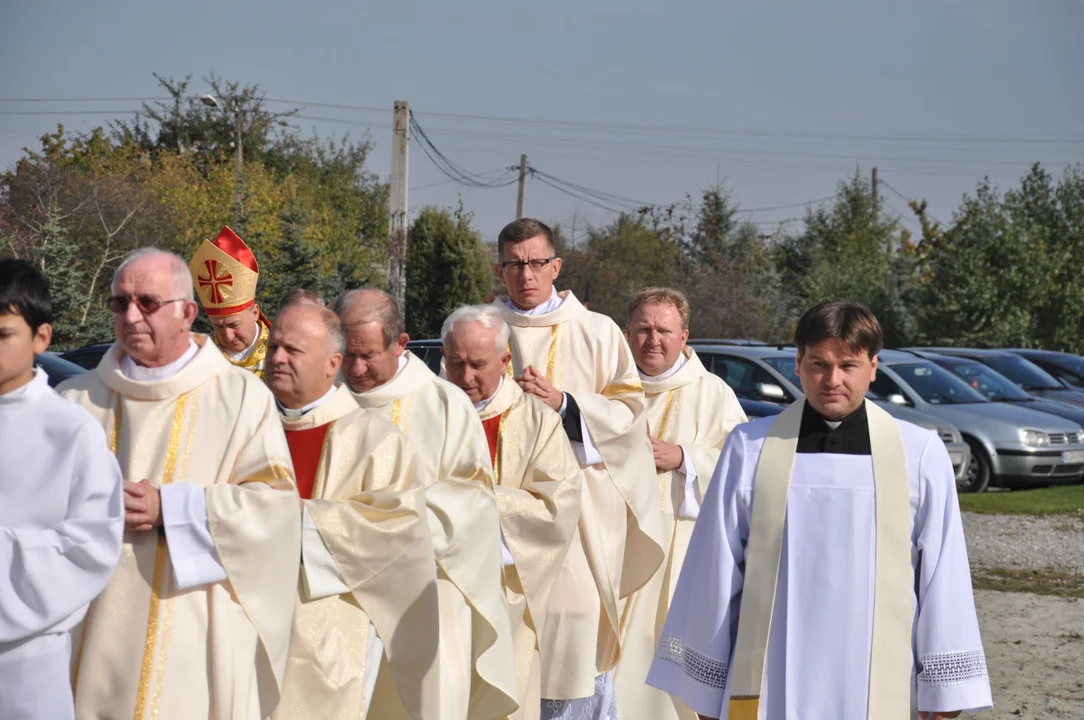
(61, 523)
(818, 656)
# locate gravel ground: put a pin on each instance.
(1034, 643)
(1021, 541)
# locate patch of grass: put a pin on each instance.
(1063, 500)
(1039, 582)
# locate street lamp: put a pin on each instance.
(212, 101)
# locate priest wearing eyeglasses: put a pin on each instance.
(195, 622)
(225, 273)
(827, 575)
(579, 364)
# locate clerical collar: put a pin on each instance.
(401, 363)
(295, 413)
(243, 355)
(28, 392)
(850, 436)
(481, 404)
(666, 374)
(134, 371)
(549, 306)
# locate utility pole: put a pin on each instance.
(522, 185)
(397, 206)
(873, 184)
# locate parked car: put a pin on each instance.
(726, 341)
(769, 374)
(428, 351)
(1066, 367)
(998, 388)
(89, 356)
(1010, 445)
(57, 368)
(754, 409)
(1029, 376)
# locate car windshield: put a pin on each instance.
(936, 385)
(1023, 372)
(993, 385)
(785, 366)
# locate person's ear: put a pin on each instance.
(42, 337)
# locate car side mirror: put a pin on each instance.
(896, 399)
(771, 391)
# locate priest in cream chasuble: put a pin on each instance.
(368, 585)
(827, 574)
(225, 273)
(477, 669)
(579, 364)
(538, 482)
(690, 412)
(196, 620)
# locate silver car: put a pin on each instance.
(1010, 445)
(767, 374)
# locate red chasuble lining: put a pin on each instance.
(493, 429)
(306, 446)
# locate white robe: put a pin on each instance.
(819, 647)
(61, 523)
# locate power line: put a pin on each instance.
(450, 168)
(68, 112)
(787, 207)
(116, 99)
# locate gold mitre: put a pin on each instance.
(225, 272)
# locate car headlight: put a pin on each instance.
(1035, 438)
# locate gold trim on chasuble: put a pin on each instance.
(612, 391)
(551, 359)
(162, 582)
(500, 444)
(666, 429)
(320, 480)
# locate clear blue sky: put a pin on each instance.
(781, 98)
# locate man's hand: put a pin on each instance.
(142, 506)
(535, 383)
(667, 457)
(934, 715)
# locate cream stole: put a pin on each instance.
(890, 657)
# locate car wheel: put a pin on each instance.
(978, 470)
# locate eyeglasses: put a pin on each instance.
(519, 265)
(147, 304)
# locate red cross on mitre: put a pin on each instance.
(215, 281)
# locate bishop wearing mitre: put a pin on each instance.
(827, 574)
(195, 622)
(579, 364)
(368, 579)
(477, 671)
(225, 273)
(538, 482)
(690, 412)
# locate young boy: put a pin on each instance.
(61, 510)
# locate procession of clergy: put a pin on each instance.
(297, 518)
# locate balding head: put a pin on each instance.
(304, 353)
(152, 279)
(375, 339)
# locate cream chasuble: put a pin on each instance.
(538, 492)
(826, 577)
(695, 409)
(218, 650)
(368, 504)
(585, 355)
(477, 670)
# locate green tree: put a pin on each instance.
(447, 266)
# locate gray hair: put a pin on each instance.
(487, 316)
(180, 277)
(336, 339)
(376, 306)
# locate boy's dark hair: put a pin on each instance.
(25, 291)
(523, 229)
(848, 322)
